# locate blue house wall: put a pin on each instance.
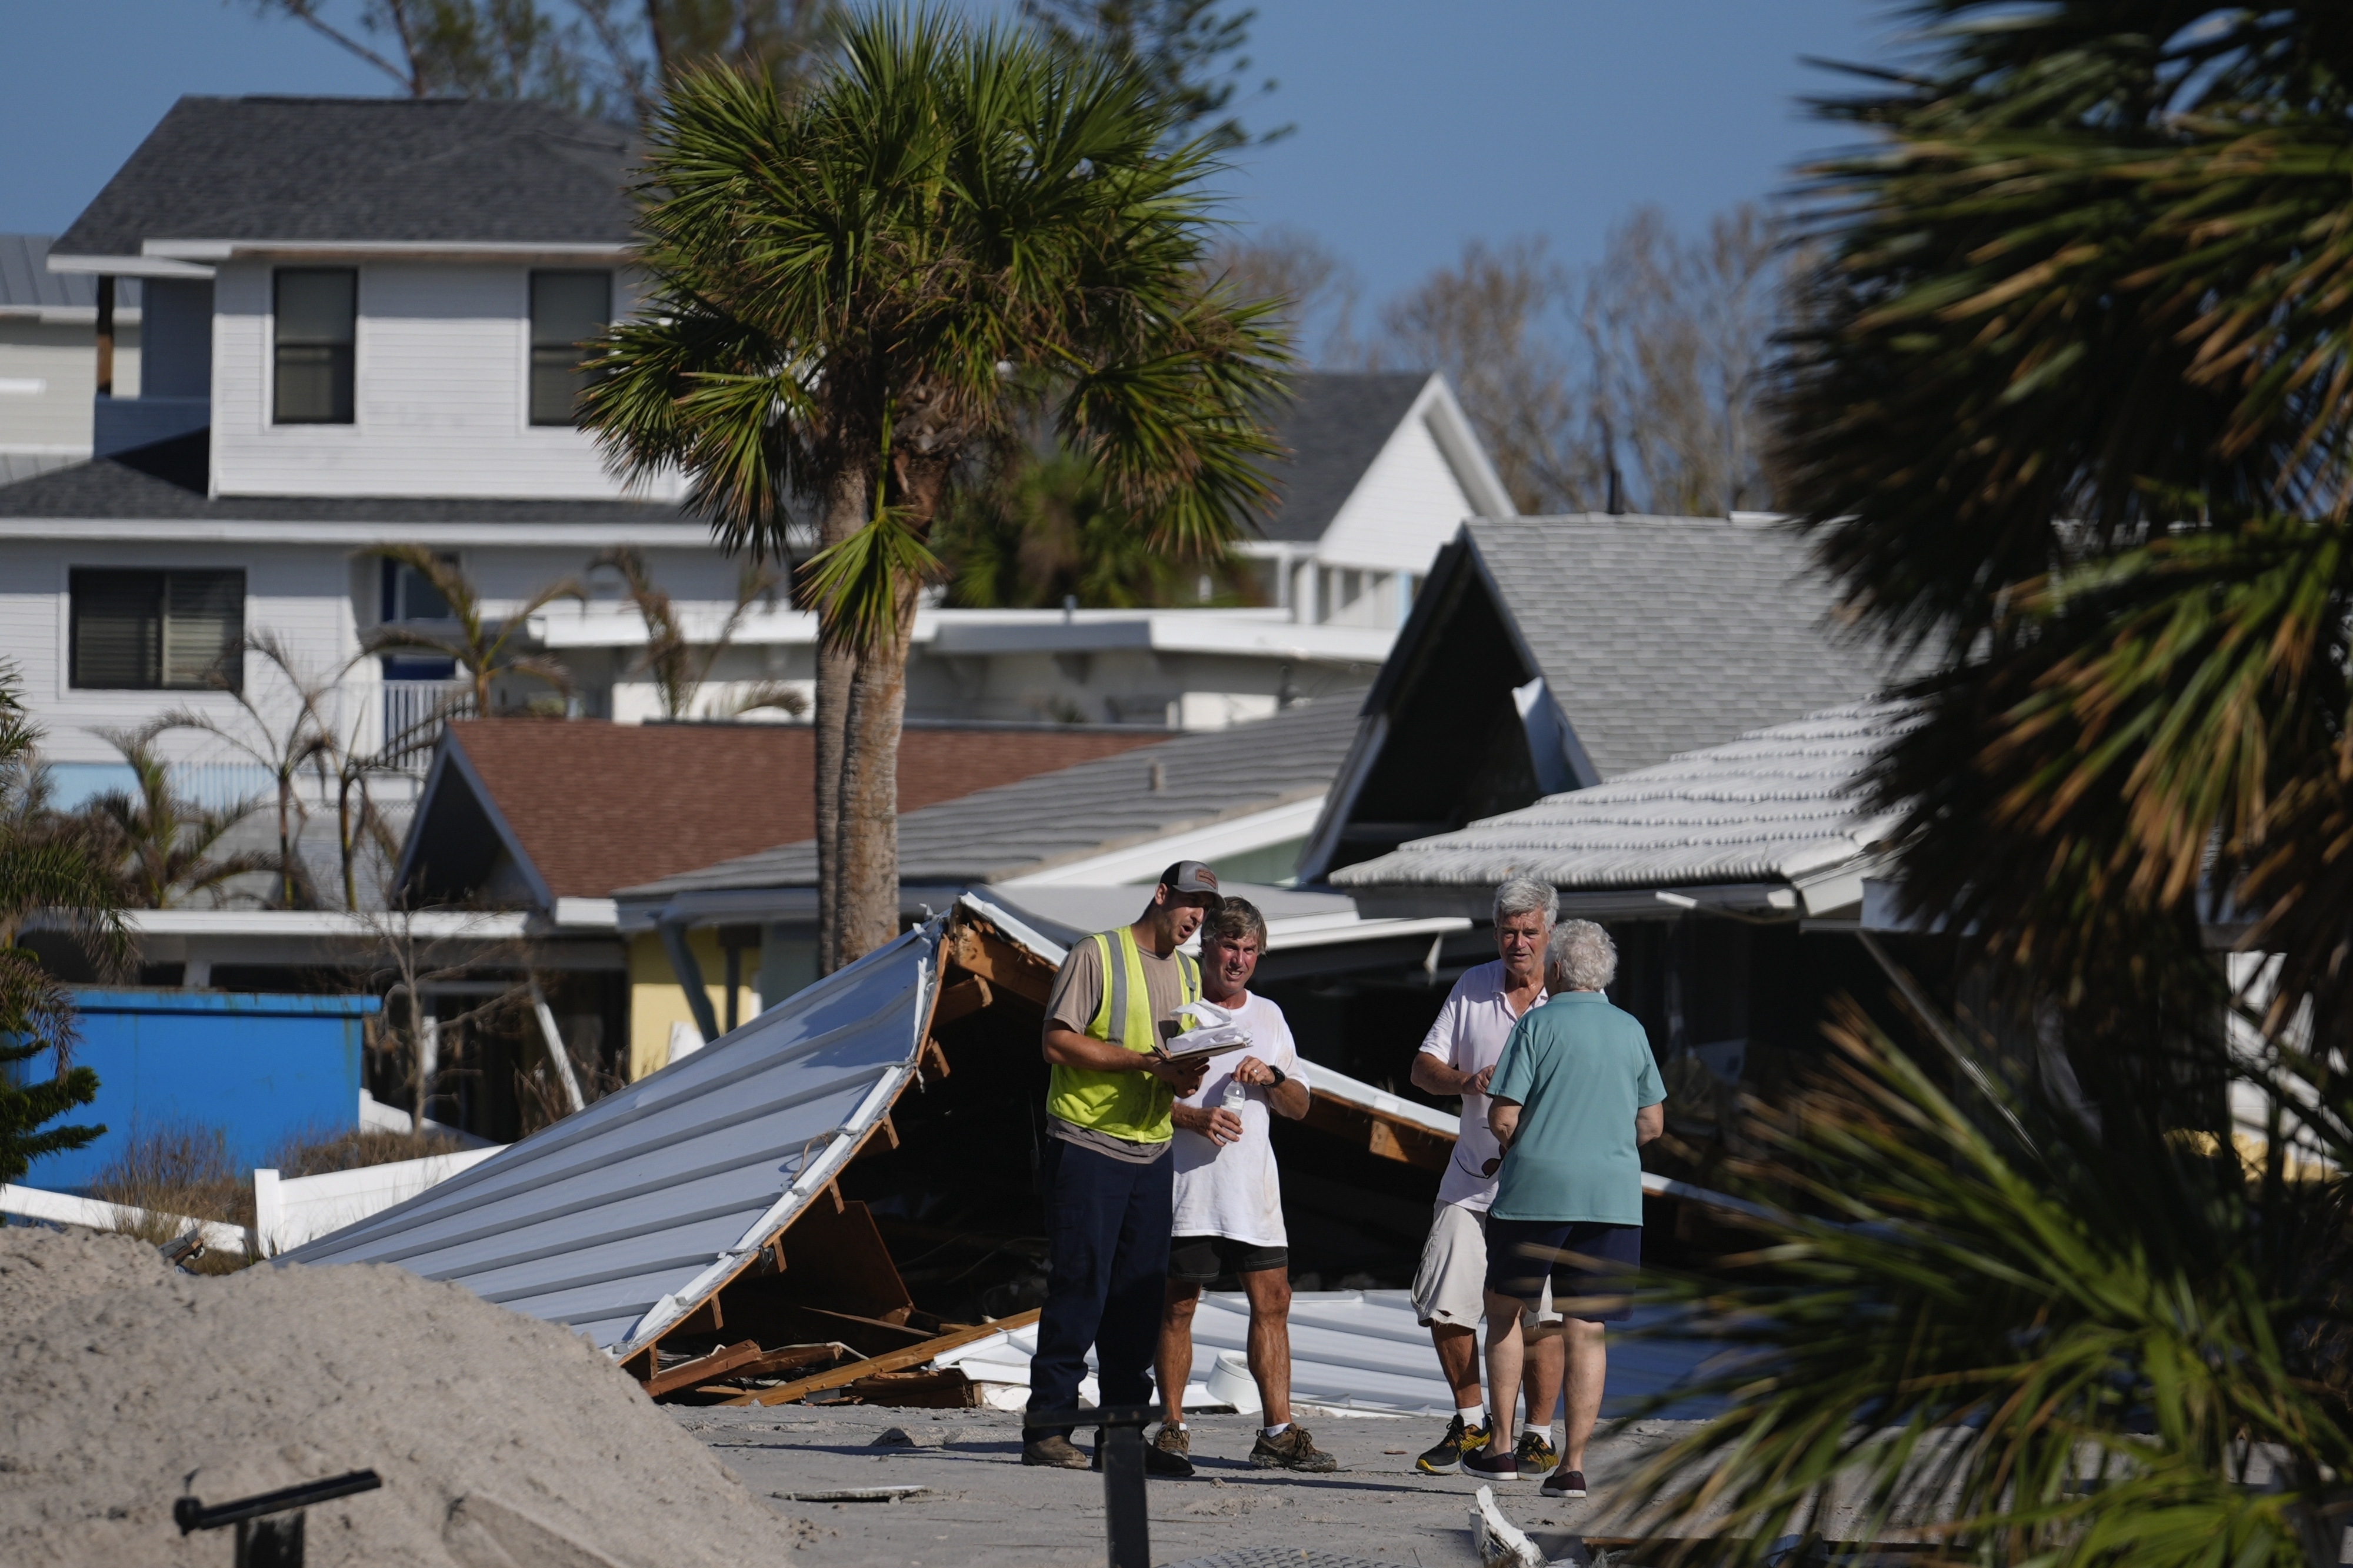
(258, 1067)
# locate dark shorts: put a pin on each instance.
(1203, 1259)
(1521, 1252)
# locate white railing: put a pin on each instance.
(414, 712)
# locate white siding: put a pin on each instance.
(62, 358)
(442, 359)
(303, 595)
(1406, 506)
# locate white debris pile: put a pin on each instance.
(501, 1440)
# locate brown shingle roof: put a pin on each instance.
(599, 806)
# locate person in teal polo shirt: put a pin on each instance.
(1576, 1096)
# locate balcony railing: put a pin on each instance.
(414, 712)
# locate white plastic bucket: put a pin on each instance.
(1230, 1383)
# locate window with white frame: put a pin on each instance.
(155, 630)
(567, 309)
(316, 316)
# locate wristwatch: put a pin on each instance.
(1281, 1076)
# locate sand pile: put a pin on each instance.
(503, 1443)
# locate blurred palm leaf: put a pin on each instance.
(2030, 1344)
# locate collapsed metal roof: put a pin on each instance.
(620, 1220)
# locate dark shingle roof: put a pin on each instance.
(27, 282)
(1334, 425)
(1662, 635)
(1093, 807)
(390, 169)
(168, 480)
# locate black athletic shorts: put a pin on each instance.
(1583, 1260)
(1203, 1259)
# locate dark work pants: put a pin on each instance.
(1107, 1267)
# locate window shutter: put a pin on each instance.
(117, 628)
(204, 628)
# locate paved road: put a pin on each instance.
(982, 1508)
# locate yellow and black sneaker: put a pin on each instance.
(1446, 1460)
(1536, 1455)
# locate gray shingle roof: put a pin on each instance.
(363, 169)
(1334, 425)
(168, 480)
(1661, 635)
(1088, 809)
(1776, 804)
(27, 282)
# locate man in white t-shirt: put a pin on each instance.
(1228, 1204)
(1449, 1288)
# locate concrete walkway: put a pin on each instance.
(982, 1507)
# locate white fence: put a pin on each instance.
(286, 1211)
(290, 1211)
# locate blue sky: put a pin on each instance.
(1419, 127)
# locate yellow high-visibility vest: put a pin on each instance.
(1130, 1105)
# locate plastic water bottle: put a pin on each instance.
(1236, 1097)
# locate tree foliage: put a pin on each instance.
(612, 58)
(956, 238)
(2070, 416)
(51, 875)
(2032, 1341)
(157, 845)
(1188, 51)
(1043, 530)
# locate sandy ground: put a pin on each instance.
(982, 1507)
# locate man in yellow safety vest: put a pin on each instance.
(1109, 1181)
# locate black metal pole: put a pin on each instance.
(1125, 1519)
(1119, 1444)
(190, 1515)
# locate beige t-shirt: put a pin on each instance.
(1077, 996)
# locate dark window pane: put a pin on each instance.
(141, 630)
(117, 628)
(204, 628)
(566, 309)
(317, 316)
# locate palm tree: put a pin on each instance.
(679, 665)
(52, 875)
(1042, 530)
(2070, 418)
(952, 234)
(157, 845)
(484, 648)
(2067, 418)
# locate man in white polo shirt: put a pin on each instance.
(1458, 1058)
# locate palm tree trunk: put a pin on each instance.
(870, 792)
(837, 668)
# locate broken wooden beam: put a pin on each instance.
(1005, 966)
(716, 1365)
(896, 1361)
(964, 997)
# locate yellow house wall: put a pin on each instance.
(657, 1000)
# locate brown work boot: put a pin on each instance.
(1174, 1440)
(1294, 1450)
(1053, 1451)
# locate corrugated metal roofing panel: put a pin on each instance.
(1774, 805)
(616, 1221)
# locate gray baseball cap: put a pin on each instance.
(1190, 877)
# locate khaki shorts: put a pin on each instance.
(1450, 1286)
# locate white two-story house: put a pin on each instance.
(359, 329)
(359, 321)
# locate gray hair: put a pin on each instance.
(1525, 895)
(1581, 956)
